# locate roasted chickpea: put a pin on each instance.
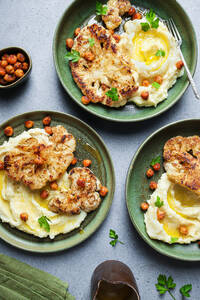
(12, 59)
(10, 69)
(179, 64)
(77, 31)
(2, 72)
(25, 66)
(69, 43)
(5, 56)
(160, 214)
(2, 81)
(29, 124)
(74, 161)
(24, 216)
(145, 83)
(1, 165)
(48, 130)
(8, 131)
(183, 229)
(39, 161)
(149, 173)
(117, 37)
(19, 73)
(85, 100)
(89, 56)
(53, 185)
(144, 206)
(156, 167)
(44, 194)
(137, 16)
(103, 191)
(87, 162)
(4, 63)
(81, 182)
(21, 57)
(145, 95)
(9, 78)
(153, 185)
(17, 65)
(158, 79)
(46, 121)
(131, 11)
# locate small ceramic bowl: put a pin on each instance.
(13, 50)
(113, 279)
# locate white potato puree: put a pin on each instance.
(142, 47)
(15, 198)
(182, 207)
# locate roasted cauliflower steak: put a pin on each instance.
(107, 67)
(182, 161)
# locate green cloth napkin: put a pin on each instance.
(19, 281)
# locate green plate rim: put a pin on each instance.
(115, 119)
(146, 239)
(14, 242)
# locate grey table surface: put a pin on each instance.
(31, 24)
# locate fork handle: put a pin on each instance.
(190, 77)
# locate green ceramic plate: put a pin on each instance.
(89, 145)
(78, 12)
(137, 189)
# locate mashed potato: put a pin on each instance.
(15, 198)
(141, 47)
(181, 207)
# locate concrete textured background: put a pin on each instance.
(31, 24)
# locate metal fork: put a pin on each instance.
(174, 31)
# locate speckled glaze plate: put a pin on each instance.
(137, 185)
(79, 12)
(89, 145)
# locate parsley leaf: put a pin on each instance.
(156, 85)
(173, 240)
(114, 237)
(155, 23)
(101, 9)
(43, 221)
(74, 56)
(156, 160)
(159, 203)
(113, 94)
(91, 42)
(160, 53)
(150, 16)
(165, 285)
(184, 290)
(145, 26)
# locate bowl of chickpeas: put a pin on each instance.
(15, 66)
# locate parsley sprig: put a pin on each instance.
(165, 284)
(156, 85)
(74, 56)
(114, 237)
(184, 290)
(44, 223)
(152, 21)
(155, 160)
(158, 202)
(173, 240)
(113, 94)
(160, 52)
(91, 42)
(101, 10)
